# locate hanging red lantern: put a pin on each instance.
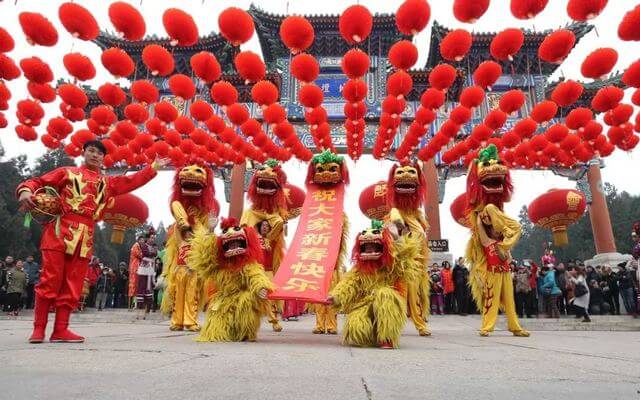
(472, 96)
(556, 210)
(570, 142)
(305, 68)
(59, 128)
(631, 76)
(607, 98)
(567, 93)
(460, 115)
(127, 20)
(205, 66)
(157, 60)
(403, 54)
(36, 70)
(236, 25)
(373, 201)
(6, 41)
(125, 212)
(8, 68)
(183, 125)
(355, 63)
(78, 21)
(599, 63)
(455, 45)
(413, 16)
(442, 76)
(182, 86)
(495, 119)
(506, 44)
(296, 33)
(525, 128)
(200, 110)
(544, 111)
(629, 28)
(583, 10)
(354, 90)
(399, 83)
(180, 27)
(144, 91)
(512, 101)
(26, 133)
(250, 66)
(79, 66)
(469, 11)
(29, 112)
(274, 114)
(44, 93)
(487, 74)
(117, 62)
(355, 24)
(557, 133)
(557, 46)
(294, 197)
(224, 93)
(38, 29)
(111, 95)
(310, 96)
(136, 113)
(237, 114)
(527, 9)
(103, 115)
(165, 111)
(510, 139)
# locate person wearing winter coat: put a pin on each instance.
(581, 294)
(551, 292)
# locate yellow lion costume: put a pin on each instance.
(193, 207)
(494, 234)
(405, 196)
(371, 292)
(268, 214)
(233, 260)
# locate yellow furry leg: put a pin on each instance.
(389, 315)
(358, 328)
(321, 318)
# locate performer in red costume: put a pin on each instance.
(67, 242)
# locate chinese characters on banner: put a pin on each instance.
(306, 271)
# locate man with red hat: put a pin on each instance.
(67, 241)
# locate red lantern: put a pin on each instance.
(607, 98)
(506, 44)
(127, 20)
(205, 66)
(527, 9)
(296, 33)
(236, 25)
(472, 96)
(78, 21)
(442, 76)
(6, 41)
(38, 29)
(125, 212)
(355, 63)
(144, 91)
(557, 46)
(567, 93)
(455, 45)
(629, 28)
(413, 16)
(458, 210)
(305, 68)
(180, 27)
(250, 66)
(469, 11)
(556, 210)
(158, 60)
(403, 54)
(182, 86)
(295, 199)
(117, 62)
(599, 63)
(631, 76)
(36, 70)
(223, 93)
(8, 68)
(512, 101)
(544, 111)
(373, 201)
(487, 74)
(310, 96)
(583, 10)
(355, 24)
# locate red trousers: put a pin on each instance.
(61, 277)
(293, 308)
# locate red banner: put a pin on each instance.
(306, 270)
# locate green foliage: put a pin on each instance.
(624, 210)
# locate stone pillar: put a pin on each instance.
(236, 204)
(431, 204)
(599, 212)
(606, 252)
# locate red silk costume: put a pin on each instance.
(84, 194)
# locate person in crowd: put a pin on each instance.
(562, 278)
(157, 291)
(3, 281)
(460, 283)
(437, 291)
(89, 285)
(597, 305)
(523, 291)
(551, 292)
(532, 267)
(146, 276)
(32, 269)
(627, 289)
(16, 285)
(121, 286)
(104, 286)
(590, 273)
(609, 280)
(448, 287)
(135, 257)
(581, 293)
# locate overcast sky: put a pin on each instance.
(621, 167)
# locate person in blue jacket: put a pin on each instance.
(550, 291)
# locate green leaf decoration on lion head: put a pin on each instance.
(376, 224)
(327, 157)
(487, 154)
(272, 163)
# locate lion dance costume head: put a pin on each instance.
(488, 180)
(372, 248)
(327, 169)
(266, 187)
(238, 245)
(405, 186)
(193, 187)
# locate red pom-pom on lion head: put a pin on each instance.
(265, 189)
(405, 186)
(193, 187)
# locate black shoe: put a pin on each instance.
(586, 319)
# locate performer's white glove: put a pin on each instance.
(262, 293)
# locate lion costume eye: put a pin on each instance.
(333, 168)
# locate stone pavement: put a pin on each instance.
(144, 360)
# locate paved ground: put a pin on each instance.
(145, 360)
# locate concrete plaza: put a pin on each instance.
(125, 359)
